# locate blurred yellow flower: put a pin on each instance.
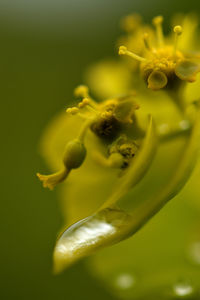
(126, 156)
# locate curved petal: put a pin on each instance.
(138, 167)
(162, 252)
(110, 225)
(187, 70)
(157, 80)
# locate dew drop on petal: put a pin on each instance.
(164, 128)
(184, 124)
(124, 281)
(183, 289)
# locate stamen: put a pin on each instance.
(81, 91)
(50, 181)
(84, 129)
(146, 41)
(106, 114)
(123, 51)
(91, 109)
(178, 31)
(82, 116)
(157, 22)
(72, 110)
(86, 102)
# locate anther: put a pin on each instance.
(123, 51)
(84, 102)
(81, 91)
(157, 22)
(178, 31)
(72, 110)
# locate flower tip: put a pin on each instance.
(59, 263)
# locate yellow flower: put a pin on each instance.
(107, 120)
(124, 157)
(163, 65)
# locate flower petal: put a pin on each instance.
(111, 225)
(187, 70)
(157, 80)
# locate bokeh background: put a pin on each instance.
(45, 46)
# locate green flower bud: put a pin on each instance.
(74, 154)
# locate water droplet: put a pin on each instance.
(184, 124)
(88, 235)
(124, 281)
(183, 289)
(163, 128)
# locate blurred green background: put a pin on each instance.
(45, 47)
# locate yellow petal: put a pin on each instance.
(157, 80)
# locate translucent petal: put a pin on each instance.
(157, 80)
(156, 256)
(192, 90)
(109, 225)
(77, 193)
(139, 166)
(187, 70)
